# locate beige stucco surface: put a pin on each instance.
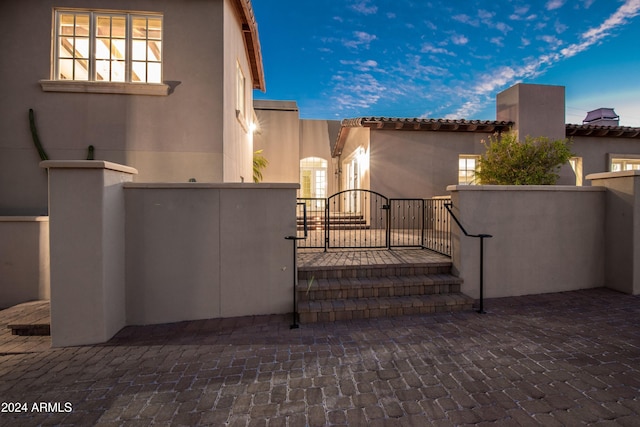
(286, 139)
(24, 259)
(278, 136)
(142, 253)
(418, 164)
(87, 247)
(536, 110)
(622, 229)
(205, 251)
(190, 133)
(545, 238)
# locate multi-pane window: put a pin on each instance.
(108, 47)
(467, 165)
(624, 164)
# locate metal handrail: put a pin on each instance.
(481, 237)
(294, 239)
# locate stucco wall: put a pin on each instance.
(237, 137)
(135, 253)
(622, 229)
(595, 153)
(24, 259)
(545, 238)
(170, 138)
(418, 164)
(278, 135)
(200, 251)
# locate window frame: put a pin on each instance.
(466, 170)
(92, 84)
(241, 96)
(623, 160)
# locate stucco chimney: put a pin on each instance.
(536, 110)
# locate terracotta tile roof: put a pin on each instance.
(479, 126)
(608, 131)
(415, 124)
(251, 41)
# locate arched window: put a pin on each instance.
(313, 177)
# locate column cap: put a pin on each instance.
(87, 164)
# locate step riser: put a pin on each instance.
(311, 316)
(327, 294)
(365, 272)
(384, 292)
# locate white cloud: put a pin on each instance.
(466, 19)
(414, 69)
(503, 76)
(367, 65)
(551, 40)
(502, 27)
(429, 48)
(485, 15)
(498, 41)
(359, 91)
(554, 4)
(365, 7)
(459, 39)
(560, 27)
(362, 39)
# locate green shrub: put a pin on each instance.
(535, 161)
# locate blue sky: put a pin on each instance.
(448, 59)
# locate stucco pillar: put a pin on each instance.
(87, 246)
(622, 229)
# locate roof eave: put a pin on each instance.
(399, 124)
(602, 131)
(251, 42)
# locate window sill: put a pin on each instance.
(157, 89)
(242, 121)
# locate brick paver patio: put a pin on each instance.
(558, 359)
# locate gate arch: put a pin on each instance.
(357, 219)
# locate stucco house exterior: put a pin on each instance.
(418, 157)
(164, 86)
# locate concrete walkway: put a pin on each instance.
(557, 359)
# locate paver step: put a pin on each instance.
(33, 318)
(373, 287)
(30, 329)
(364, 308)
(353, 271)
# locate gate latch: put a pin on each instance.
(387, 207)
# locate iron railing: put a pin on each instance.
(366, 219)
(448, 206)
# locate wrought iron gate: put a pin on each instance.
(366, 219)
(357, 219)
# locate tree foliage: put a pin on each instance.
(536, 161)
(259, 163)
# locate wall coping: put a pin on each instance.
(554, 188)
(24, 219)
(87, 164)
(605, 175)
(209, 185)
